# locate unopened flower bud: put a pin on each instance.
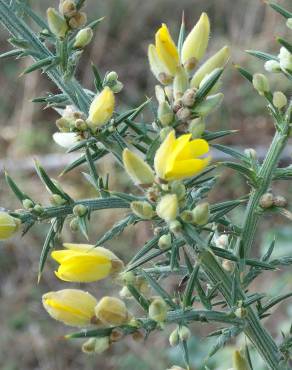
(250, 152)
(63, 124)
(101, 109)
(180, 82)
(81, 125)
(164, 132)
(272, 66)
(289, 23)
(197, 127)
(78, 20)
(179, 189)
(260, 83)
(210, 104)
(184, 333)
(279, 99)
(183, 114)
(174, 338)
(57, 200)
(67, 8)
(74, 224)
(165, 78)
(124, 293)
(160, 94)
(143, 210)
(116, 335)
(8, 225)
(187, 216)
(27, 204)
(189, 97)
(83, 38)
(111, 311)
(164, 241)
(117, 87)
(280, 201)
(80, 210)
(167, 208)
(38, 209)
(96, 345)
(139, 171)
(157, 310)
(201, 214)
(175, 227)
(137, 336)
(165, 113)
(285, 58)
(128, 277)
(57, 23)
(239, 361)
(267, 200)
(240, 312)
(228, 265)
(222, 241)
(111, 77)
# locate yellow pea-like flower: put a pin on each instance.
(195, 45)
(73, 307)
(8, 225)
(112, 311)
(166, 49)
(218, 60)
(157, 66)
(85, 263)
(178, 158)
(101, 108)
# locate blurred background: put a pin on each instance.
(29, 339)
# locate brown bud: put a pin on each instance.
(78, 20)
(280, 201)
(267, 200)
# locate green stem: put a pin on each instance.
(265, 175)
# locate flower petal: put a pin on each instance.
(186, 168)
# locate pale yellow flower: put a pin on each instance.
(73, 307)
(179, 158)
(85, 263)
(101, 108)
(111, 311)
(167, 208)
(139, 171)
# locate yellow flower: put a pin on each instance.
(177, 159)
(112, 311)
(85, 263)
(101, 108)
(73, 307)
(166, 49)
(157, 67)
(8, 225)
(196, 43)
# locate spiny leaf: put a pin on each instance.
(19, 194)
(285, 13)
(143, 302)
(208, 84)
(48, 245)
(245, 73)
(261, 55)
(40, 64)
(96, 156)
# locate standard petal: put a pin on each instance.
(163, 154)
(193, 149)
(186, 168)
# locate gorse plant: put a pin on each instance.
(169, 162)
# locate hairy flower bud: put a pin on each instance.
(80, 210)
(289, 23)
(218, 60)
(78, 20)
(63, 124)
(96, 345)
(228, 265)
(67, 8)
(27, 204)
(280, 201)
(279, 99)
(260, 83)
(165, 113)
(175, 227)
(196, 43)
(57, 23)
(83, 38)
(187, 216)
(117, 87)
(272, 66)
(183, 114)
(211, 103)
(250, 152)
(197, 127)
(167, 208)
(8, 225)
(189, 97)
(138, 170)
(180, 82)
(239, 361)
(240, 312)
(285, 59)
(57, 200)
(164, 241)
(159, 94)
(157, 310)
(112, 311)
(174, 338)
(179, 189)
(267, 200)
(143, 210)
(184, 333)
(201, 214)
(222, 241)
